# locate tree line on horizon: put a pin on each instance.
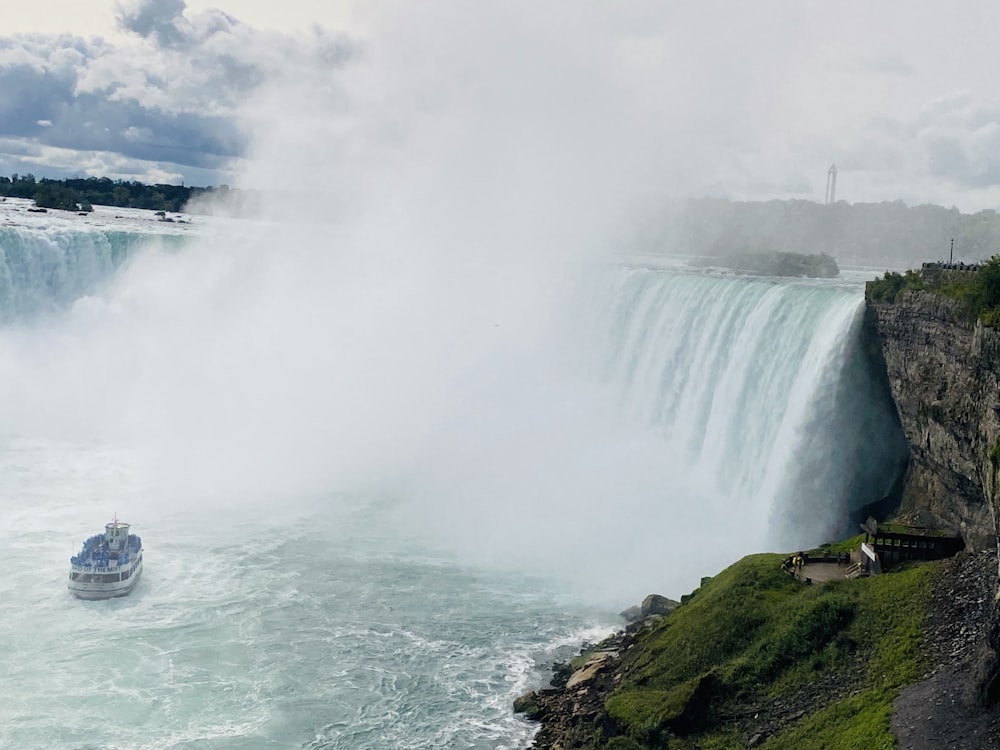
(888, 234)
(80, 194)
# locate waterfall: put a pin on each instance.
(44, 269)
(643, 425)
(761, 392)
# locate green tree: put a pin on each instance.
(984, 297)
(120, 196)
(987, 286)
(52, 194)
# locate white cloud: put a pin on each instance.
(167, 95)
(23, 156)
(722, 97)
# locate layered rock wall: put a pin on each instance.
(943, 374)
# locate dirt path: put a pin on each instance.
(938, 711)
(821, 572)
(934, 714)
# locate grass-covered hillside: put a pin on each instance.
(819, 665)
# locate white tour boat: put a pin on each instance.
(109, 564)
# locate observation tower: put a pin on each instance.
(831, 185)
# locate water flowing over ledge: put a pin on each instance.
(46, 269)
(764, 394)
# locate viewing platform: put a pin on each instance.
(881, 549)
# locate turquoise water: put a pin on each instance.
(379, 494)
(317, 626)
(44, 269)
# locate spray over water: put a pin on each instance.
(413, 318)
(391, 438)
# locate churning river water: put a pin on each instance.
(365, 532)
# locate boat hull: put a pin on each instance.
(84, 589)
(108, 565)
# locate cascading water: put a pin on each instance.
(740, 409)
(43, 269)
(527, 480)
(763, 397)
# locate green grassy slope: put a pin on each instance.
(752, 636)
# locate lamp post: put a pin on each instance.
(951, 255)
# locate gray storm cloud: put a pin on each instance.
(163, 19)
(757, 101)
(165, 98)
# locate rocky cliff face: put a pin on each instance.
(943, 374)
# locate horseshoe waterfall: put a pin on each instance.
(379, 496)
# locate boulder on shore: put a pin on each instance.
(654, 604)
(632, 614)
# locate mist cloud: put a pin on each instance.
(415, 326)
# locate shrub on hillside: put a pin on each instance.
(893, 284)
(984, 297)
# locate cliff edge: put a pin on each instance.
(943, 374)
(754, 658)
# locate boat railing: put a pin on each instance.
(101, 561)
(94, 554)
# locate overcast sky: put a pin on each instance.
(726, 98)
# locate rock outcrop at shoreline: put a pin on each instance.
(572, 710)
(936, 711)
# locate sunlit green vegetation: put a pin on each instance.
(893, 284)
(753, 634)
(977, 292)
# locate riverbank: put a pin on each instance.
(756, 659)
(907, 659)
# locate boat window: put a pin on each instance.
(96, 577)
